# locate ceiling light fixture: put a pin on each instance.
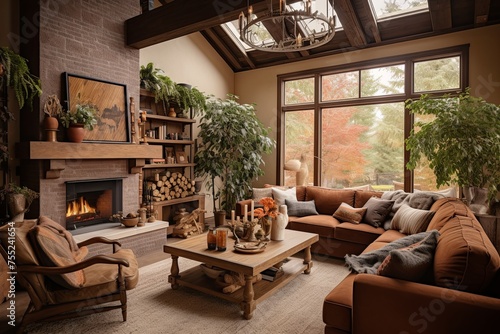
(299, 29)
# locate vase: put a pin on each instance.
(50, 124)
(267, 226)
(279, 224)
(75, 133)
(17, 207)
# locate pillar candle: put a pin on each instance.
(251, 211)
(245, 213)
(232, 216)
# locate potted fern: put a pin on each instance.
(190, 98)
(154, 80)
(461, 143)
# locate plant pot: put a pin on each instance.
(17, 207)
(50, 123)
(75, 133)
(220, 218)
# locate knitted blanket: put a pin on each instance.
(369, 262)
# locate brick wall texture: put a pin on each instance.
(87, 37)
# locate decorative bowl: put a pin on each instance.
(130, 222)
(212, 272)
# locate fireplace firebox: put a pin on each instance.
(92, 202)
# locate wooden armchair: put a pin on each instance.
(61, 284)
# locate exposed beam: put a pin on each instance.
(350, 22)
(216, 41)
(180, 18)
(440, 14)
(481, 11)
(368, 20)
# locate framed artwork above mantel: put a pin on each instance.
(113, 123)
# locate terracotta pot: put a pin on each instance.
(220, 218)
(50, 123)
(75, 133)
(17, 206)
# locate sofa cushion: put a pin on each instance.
(328, 200)
(446, 209)
(357, 233)
(347, 213)
(300, 208)
(377, 210)
(323, 225)
(361, 197)
(410, 263)
(337, 306)
(411, 221)
(465, 258)
(280, 195)
(25, 254)
(53, 251)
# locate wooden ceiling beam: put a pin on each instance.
(481, 12)
(368, 20)
(180, 18)
(350, 23)
(440, 14)
(215, 40)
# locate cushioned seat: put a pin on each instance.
(60, 283)
(323, 225)
(357, 233)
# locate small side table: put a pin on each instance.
(491, 225)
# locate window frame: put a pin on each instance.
(407, 59)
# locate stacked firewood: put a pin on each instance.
(171, 186)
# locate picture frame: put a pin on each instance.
(113, 121)
(180, 157)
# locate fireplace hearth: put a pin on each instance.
(92, 202)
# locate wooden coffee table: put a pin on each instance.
(250, 265)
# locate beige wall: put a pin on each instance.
(260, 86)
(191, 59)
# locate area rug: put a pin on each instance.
(153, 307)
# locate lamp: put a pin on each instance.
(301, 29)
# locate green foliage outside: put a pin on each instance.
(233, 141)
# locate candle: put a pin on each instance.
(245, 213)
(299, 40)
(251, 211)
(232, 216)
(241, 21)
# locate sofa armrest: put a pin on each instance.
(241, 205)
(386, 305)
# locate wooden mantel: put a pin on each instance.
(58, 152)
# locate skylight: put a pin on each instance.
(384, 9)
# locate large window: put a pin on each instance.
(349, 124)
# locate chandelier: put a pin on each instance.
(299, 29)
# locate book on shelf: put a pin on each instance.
(272, 273)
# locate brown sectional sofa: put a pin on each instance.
(460, 295)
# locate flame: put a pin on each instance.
(78, 207)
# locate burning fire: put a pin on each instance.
(78, 207)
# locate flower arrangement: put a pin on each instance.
(270, 208)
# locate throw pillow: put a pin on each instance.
(410, 221)
(410, 263)
(377, 210)
(280, 195)
(260, 193)
(347, 213)
(301, 208)
(53, 251)
(450, 192)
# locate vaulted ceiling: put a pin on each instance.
(360, 27)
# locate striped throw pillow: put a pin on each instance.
(347, 213)
(410, 221)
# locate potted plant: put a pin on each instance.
(163, 88)
(83, 116)
(52, 109)
(190, 98)
(19, 200)
(461, 143)
(229, 156)
(14, 73)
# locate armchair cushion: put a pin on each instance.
(53, 251)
